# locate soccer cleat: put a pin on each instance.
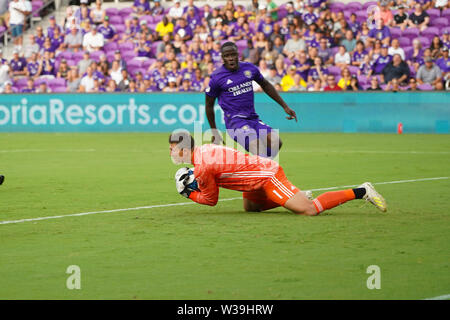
(373, 196)
(308, 194)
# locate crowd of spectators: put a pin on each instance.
(302, 45)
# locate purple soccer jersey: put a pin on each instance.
(18, 65)
(234, 90)
(266, 28)
(380, 63)
(33, 68)
(310, 18)
(107, 32)
(380, 34)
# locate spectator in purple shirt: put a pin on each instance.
(33, 66)
(382, 61)
(191, 5)
(30, 87)
(18, 64)
(381, 32)
(317, 71)
(192, 19)
(57, 40)
(310, 16)
(359, 54)
(157, 9)
(141, 7)
(40, 37)
(108, 31)
(47, 65)
(183, 30)
(444, 63)
(52, 27)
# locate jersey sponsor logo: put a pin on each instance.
(241, 88)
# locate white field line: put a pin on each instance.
(444, 297)
(188, 203)
(288, 151)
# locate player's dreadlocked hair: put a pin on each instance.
(183, 139)
(228, 44)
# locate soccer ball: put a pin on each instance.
(191, 184)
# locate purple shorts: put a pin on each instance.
(244, 130)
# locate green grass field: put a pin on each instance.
(198, 252)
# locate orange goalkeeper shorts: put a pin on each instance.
(278, 189)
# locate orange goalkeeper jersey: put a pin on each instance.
(219, 166)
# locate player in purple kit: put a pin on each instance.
(232, 85)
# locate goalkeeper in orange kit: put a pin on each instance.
(262, 181)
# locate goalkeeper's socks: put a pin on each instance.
(333, 199)
(359, 192)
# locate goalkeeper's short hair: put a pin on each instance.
(183, 139)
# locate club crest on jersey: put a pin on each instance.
(248, 73)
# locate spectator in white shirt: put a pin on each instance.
(87, 82)
(93, 41)
(176, 11)
(342, 58)
(16, 20)
(395, 49)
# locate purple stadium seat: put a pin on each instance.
(110, 56)
(411, 33)
(134, 63)
(40, 80)
(95, 55)
(363, 80)
(21, 82)
(425, 87)
(368, 4)
(430, 31)
(408, 51)
(110, 46)
(125, 12)
(65, 55)
(124, 46)
(112, 12)
(353, 6)
(147, 18)
(59, 89)
(395, 32)
(282, 12)
(425, 41)
(404, 41)
(77, 56)
(57, 82)
(119, 28)
(337, 6)
(446, 13)
(434, 13)
(442, 31)
(439, 22)
(148, 62)
(353, 70)
(128, 54)
(335, 70)
(71, 62)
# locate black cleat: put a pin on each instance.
(2, 178)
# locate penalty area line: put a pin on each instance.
(191, 202)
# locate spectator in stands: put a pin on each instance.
(374, 84)
(93, 41)
(435, 47)
(401, 18)
(386, 14)
(383, 60)
(419, 18)
(317, 71)
(183, 30)
(359, 54)
(415, 58)
(345, 79)
(191, 5)
(430, 73)
(396, 49)
(108, 31)
(175, 12)
(342, 58)
(325, 52)
(74, 40)
(317, 86)
(18, 64)
(143, 48)
(31, 46)
(396, 69)
(349, 42)
(157, 9)
(30, 86)
(63, 70)
(331, 84)
(97, 14)
(413, 85)
(84, 63)
(17, 12)
(73, 79)
(353, 24)
(98, 86)
(381, 32)
(47, 66)
(443, 62)
(393, 86)
(39, 36)
(32, 70)
(52, 27)
(141, 7)
(57, 41)
(87, 81)
(295, 43)
(288, 80)
(164, 27)
(310, 16)
(112, 86)
(116, 72)
(43, 88)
